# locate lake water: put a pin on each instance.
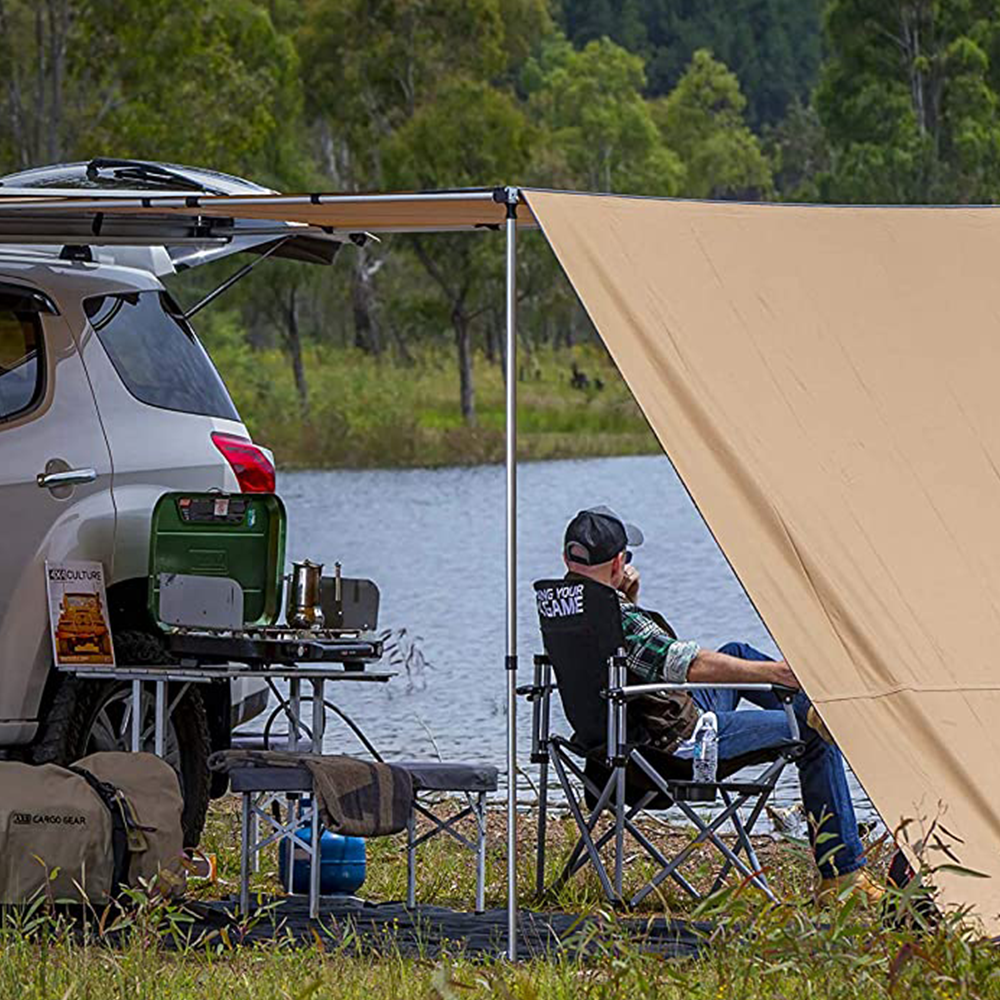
(433, 540)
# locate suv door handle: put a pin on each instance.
(70, 477)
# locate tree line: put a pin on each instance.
(799, 100)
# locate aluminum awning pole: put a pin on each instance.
(60, 202)
(512, 196)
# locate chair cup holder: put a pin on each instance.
(693, 791)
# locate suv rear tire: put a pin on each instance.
(87, 716)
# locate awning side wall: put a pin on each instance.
(824, 380)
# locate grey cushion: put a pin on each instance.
(446, 776)
(250, 778)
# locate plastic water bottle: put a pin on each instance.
(706, 748)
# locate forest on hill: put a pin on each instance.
(773, 46)
(801, 100)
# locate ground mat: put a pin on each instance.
(429, 930)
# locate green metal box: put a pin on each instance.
(235, 535)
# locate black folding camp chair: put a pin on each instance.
(585, 647)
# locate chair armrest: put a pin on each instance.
(532, 691)
(784, 693)
(634, 690)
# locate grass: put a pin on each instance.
(367, 412)
(755, 951)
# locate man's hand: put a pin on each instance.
(782, 674)
(630, 583)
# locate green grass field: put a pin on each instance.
(367, 412)
(754, 951)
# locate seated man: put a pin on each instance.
(595, 547)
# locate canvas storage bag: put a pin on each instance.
(153, 791)
(76, 834)
(52, 823)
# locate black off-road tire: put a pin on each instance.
(65, 732)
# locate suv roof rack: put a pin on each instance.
(143, 170)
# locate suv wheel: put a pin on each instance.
(91, 716)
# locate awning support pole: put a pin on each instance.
(512, 196)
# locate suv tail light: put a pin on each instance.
(254, 470)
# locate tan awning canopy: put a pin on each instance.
(433, 211)
(825, 382)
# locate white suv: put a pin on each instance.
(107, 400)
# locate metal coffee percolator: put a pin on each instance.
(304, 610)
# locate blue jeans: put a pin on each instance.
(821, 768)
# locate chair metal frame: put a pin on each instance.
(547, 748)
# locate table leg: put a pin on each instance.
(289, 843)
(136, 716)
(314, 861)
(295, 709)
(480, 812)
(411, 859)
(254, 837)
(318, 714)
(159, 724)
(245, 856)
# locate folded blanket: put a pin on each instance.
(356, 798)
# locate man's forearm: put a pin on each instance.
(709, 667)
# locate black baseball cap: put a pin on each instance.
(596, 535)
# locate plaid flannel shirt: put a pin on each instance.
(654, 654)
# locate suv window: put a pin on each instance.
(21, 369)
(157, 355)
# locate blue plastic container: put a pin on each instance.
(342, 864)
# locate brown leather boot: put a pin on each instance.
(859, 882)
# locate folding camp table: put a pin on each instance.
(159, 677)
